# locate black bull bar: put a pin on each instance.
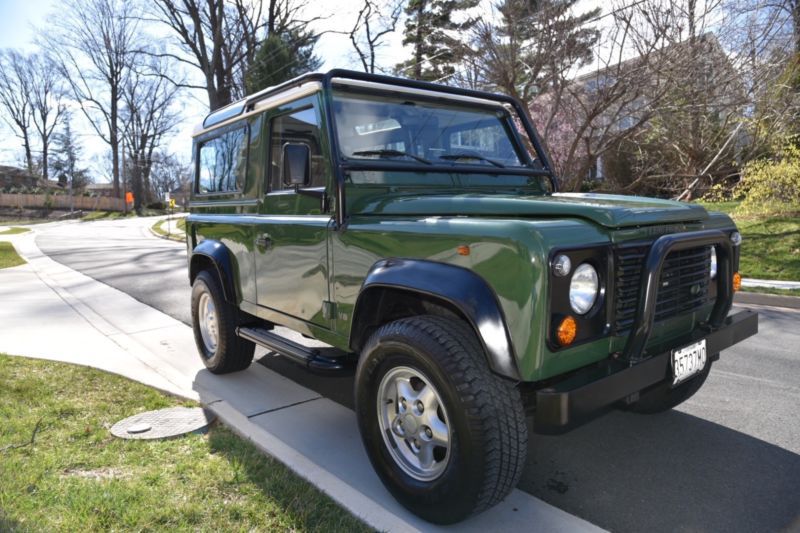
(585, 393)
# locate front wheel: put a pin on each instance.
(214, 322)
(446, 436)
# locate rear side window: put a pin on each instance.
(299, 127)
(223, 162)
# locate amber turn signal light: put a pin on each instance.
(737, 281)
(566, 332)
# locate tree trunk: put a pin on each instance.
(146, 170)
(45, 142)
(28, 155)
(136, 182)
(418, 41)
(796, 26)
(114, 138)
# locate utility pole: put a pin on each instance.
(124, 181)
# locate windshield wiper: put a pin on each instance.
(456, 157)
(393, 153)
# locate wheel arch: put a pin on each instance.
(395, 288)
(215, 256)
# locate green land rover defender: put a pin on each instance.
(417, 231)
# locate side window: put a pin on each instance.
(223, 162)
(297, 127)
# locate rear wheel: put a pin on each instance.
(446, 436)
(214, 322)
(662, 397)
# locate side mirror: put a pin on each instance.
(296, 164)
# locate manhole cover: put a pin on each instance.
(163, 423)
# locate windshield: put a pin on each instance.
(421, 132)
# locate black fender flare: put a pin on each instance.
(460, 287)
(216, 253)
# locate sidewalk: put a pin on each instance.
(60, 314)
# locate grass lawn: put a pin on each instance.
(9, 257)
(61, 470)
(160, 227)
(770, 246)
(105, 215)
(14, 231)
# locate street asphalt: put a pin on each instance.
(728, 459)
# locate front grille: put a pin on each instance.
(683, 286)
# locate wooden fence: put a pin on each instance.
(62, 201)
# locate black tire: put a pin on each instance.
(662, 397)
(231, 353)
(488, 431)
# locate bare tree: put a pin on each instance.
(15, 98)
(168, 173)
(47, 94)
(93, 43)
(373, 23)
(221, 37)
(695, 134)
(149, 115)
(583, 118)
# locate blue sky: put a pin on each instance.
(20, 18)
(17, 18)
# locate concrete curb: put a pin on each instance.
(158, 235)
(770, 283)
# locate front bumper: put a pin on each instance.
(584, 394)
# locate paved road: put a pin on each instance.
(729, 459)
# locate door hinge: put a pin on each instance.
(328, 310)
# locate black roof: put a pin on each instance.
(236, 108)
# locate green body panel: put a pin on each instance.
(611, 211)
(511, 234)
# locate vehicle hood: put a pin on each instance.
(612, 211)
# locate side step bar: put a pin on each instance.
(311, 358)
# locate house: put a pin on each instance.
(181, 195)
(16, 178)
(607, 107)
(101, 189)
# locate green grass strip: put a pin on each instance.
(61, 470)
(9, 257)
(14, 231)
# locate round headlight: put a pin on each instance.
(713, 262)
(583, 289)
(736, 238)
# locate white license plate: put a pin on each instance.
(688, 361)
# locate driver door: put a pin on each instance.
(291, 233)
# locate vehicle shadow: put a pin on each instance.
(666, 472)
(628, 472)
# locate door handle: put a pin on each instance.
(264, 241)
